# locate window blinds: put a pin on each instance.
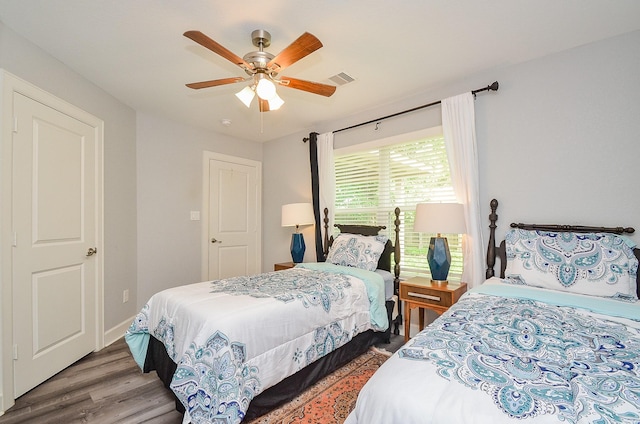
(371, 184)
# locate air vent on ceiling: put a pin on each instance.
(342, 78)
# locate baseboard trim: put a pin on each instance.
(114, 334)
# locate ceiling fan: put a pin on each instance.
(263, 68)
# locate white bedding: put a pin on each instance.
(234, 338)
(507, 354)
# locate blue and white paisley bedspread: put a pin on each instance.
(494, 359)
(234, 338)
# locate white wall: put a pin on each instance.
(169, 164)
(558, 143)
(26, 61)
(286, 178)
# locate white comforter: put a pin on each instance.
(498, 356)
(234, 338)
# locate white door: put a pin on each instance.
(233, 219)
(54, 223)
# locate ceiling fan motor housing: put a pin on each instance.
(258, 60)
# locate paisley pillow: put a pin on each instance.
(595, 264)
(357, 251)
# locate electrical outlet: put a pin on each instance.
(125, 296)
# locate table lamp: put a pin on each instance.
(297, 214)
(439, 218)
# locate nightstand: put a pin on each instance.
(284, 265)
(420, 292)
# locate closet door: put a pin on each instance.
(56, 207)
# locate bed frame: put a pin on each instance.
(157, 358)
(392, 249)
(494, 251)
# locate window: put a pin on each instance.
(371, 183)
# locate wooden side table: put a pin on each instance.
(420, 292)
(283, 265)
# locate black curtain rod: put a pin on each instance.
(491, 87)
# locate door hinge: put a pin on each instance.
(15, 352)
(15, 124)
(14, 242)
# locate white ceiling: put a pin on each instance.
(135, 50)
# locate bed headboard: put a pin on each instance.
(391, 253)
(494, 251)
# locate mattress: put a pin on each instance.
(389, 285)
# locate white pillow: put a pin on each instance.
(595, 264)
(357, 251)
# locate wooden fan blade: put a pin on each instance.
(311, 87)
(215, 47)
(303, 46)
(214, 83)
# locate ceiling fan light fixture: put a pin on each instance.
(275, 102)
(246, 96)
(265, 89)
(263, 68)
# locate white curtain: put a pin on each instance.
(458, 125)
(326, 178)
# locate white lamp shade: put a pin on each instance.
(295, 214)
(445, 218)
(275, 102)
(246, 95)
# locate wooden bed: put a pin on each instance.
(555, 339)
(389, 260)
(158, 358)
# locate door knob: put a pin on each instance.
(92, 251)
(214, 240)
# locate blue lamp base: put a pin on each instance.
(297, 247)
(439, 259)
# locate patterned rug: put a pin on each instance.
(331, 399)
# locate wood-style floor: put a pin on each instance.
(103, 388)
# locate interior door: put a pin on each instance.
(233, 220)
(54, 258)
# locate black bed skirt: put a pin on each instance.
(157, 359)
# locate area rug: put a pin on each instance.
(331, 399)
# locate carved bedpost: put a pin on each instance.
(396, 247)
(325, 243)
(491, 249)
(397, 322)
